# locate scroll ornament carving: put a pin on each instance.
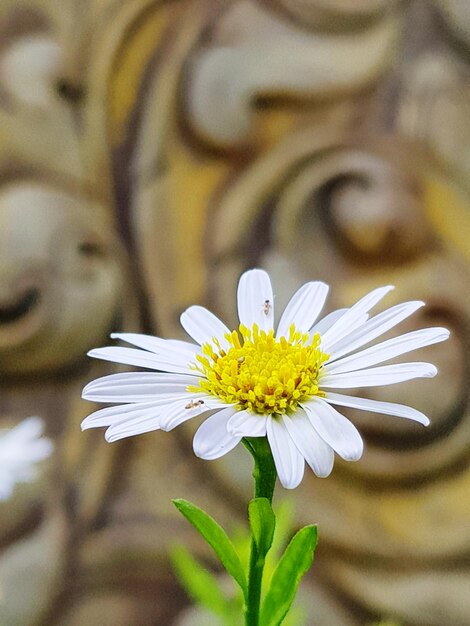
(335, 14)
(61, 290)
(253, 54)
(457, 14)
(434, 81)
(56, 262)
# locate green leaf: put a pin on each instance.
(263, 523)
(200, 584)
(216, 537)
(283, 532)
(294, 563)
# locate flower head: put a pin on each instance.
(21, 448)
(256, 381)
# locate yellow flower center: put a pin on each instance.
(260, 373)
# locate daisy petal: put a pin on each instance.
(178, 351)
(139, 358)
(7, 484)
(106, 416)
(335, 429)
(303, 308)
(255, 300)
(144, 422)
(212, 439)
(116, 433)
(326, 322)
(203, 326)
(211, 402)
(353, 328)
(126, 412)
(125, 420)
(361, 307)
(37, 448)
(21, 448)
(288, 460)
(247, 424)
(176, 413)
(374, 376)
(388, 350)
(386, 408)
(376, 326)
(135, 387)
(27, 430)
(318, 454)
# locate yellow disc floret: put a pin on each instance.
(260, 373)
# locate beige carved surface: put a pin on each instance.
(149, 152)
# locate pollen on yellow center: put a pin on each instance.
(260, 373)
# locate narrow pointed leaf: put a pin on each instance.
(216, 537)
(294, 563)
(200, 584)
(262, 522)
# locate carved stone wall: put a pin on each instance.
(149, 152)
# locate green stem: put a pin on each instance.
(265, 475)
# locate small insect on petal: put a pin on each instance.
(194, 404)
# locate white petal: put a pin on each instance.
(303, 308)
(288, 460)
(139, 358)
(110, 414)
(177, 351)
(105, 417)
(38, 450)
(203, 326)
(162, 406)
(28, 429)
(211, 402)
(135, 386)
(123, 378)
(139, 424)
(24, 453)
(247, 424)
(127, 420)
(181, 411)
(387, 408)
(318, 454)
(121, 431)
(388, 350)
(255, 300)
(353, 328)
(357, 311)
(125, 412)
(212, 439)
(7, 484)
(21, 447)
(374, 327)
(336, 430)
(326, 322)
(375, 376)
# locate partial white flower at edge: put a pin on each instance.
(260, 382)
(21, 449)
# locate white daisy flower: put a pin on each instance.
(21, 448)
(257, 382)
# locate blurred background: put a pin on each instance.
(150, 151)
